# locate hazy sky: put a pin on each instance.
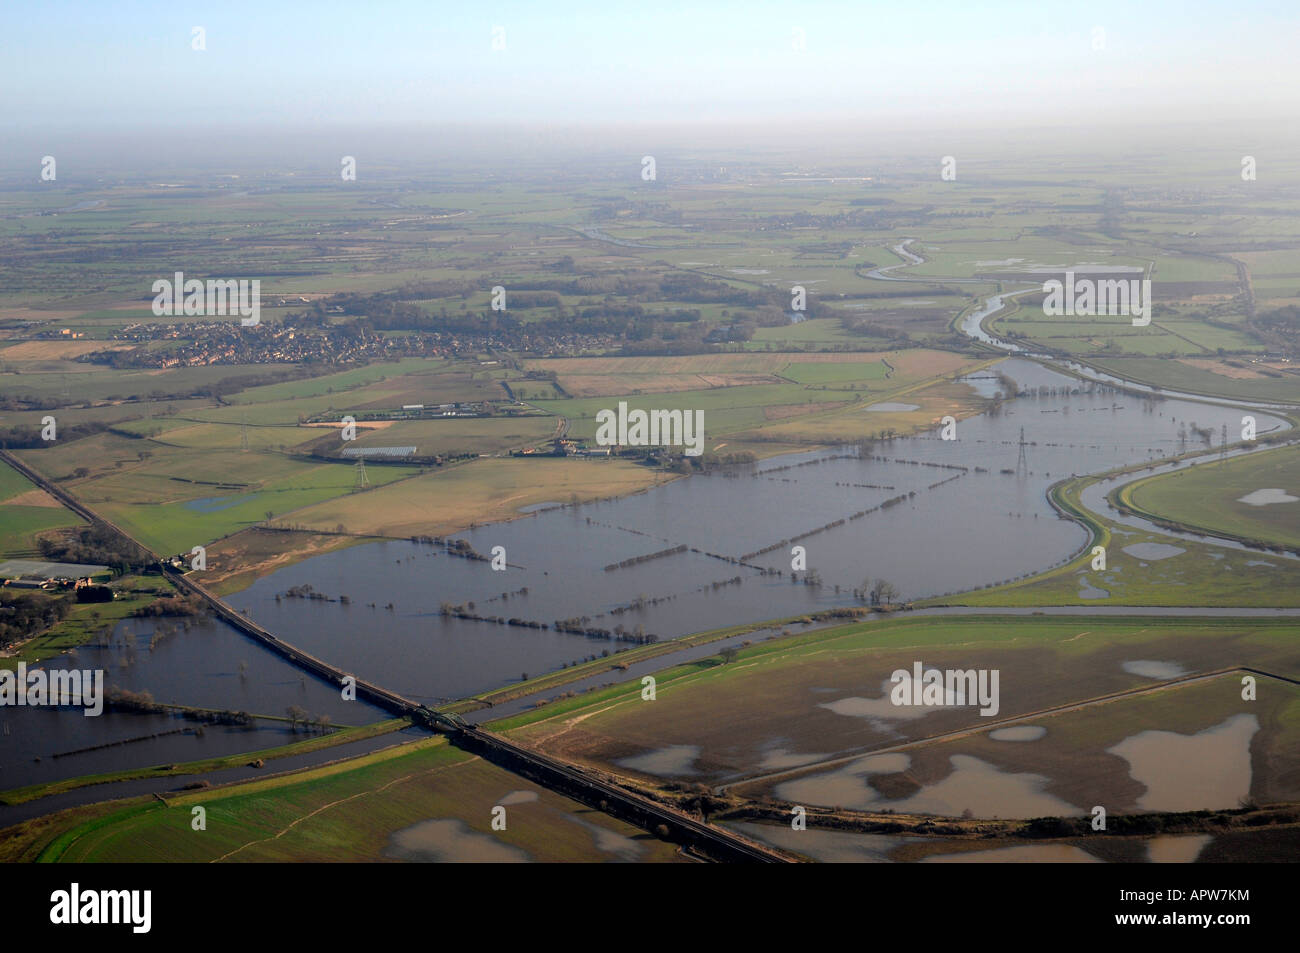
(92, 63)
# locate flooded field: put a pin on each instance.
(929, 515)
(208, 665)
(973, 788)
(1210, 769)
(849, 847)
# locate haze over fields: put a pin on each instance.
(965, 338)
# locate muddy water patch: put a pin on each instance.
(972, 785)
(827, 847)
(891, 407)
(948, 691)
(1151, 669)
(1018, 733)
(1209, 770)
(611, 842)
(1089, 591)
(448, 840)
(844, 787)
(873, 708)
(665, 762)
(1171, 849)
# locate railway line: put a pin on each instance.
(703, 839)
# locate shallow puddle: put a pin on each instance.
(1171, 849)
(611, 842)
(665, 762)
(855, 706)
(1267, 497)
(450, 841)
(973, 785)
(1150, 669)
(1018, 733)
(1153, 551)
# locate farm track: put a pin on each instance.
(1006, 722)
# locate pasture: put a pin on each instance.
(422, 801)
(1210, 496)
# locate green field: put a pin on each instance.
(1208, 497)
(1178, 376)
(421, 801)
(21, 524)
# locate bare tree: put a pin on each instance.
(884, 593)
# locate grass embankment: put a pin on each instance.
(791, 646)
(615, 663)
(338, 737)
(1200, 575)
(1207, 499)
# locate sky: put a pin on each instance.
(96, 64)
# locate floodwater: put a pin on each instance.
(1151, 669)
(208, 665)
(1177, 849)
(1018, 733)
(973, 785)
(1267, 497)
(1153, 551)
(1210, 770)
(450, 841)
(620, 846)
(956, 521)
(931, 516)
(1088, 591)
(890, 406)
(673, 761)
